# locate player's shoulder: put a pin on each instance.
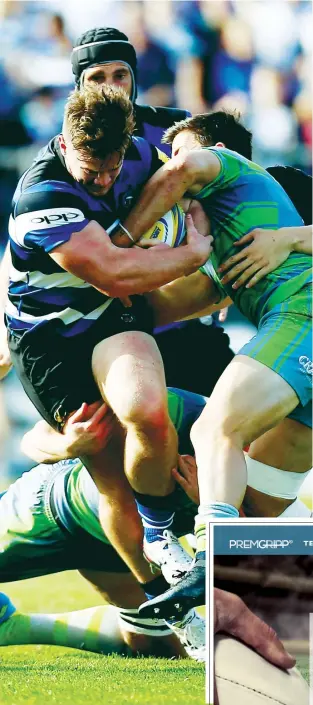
(141, 161)
(225, 152)
(158, 116)
(232, 158)
(47, 166)
(46, 184)
(138, 149)
(144, 152)
(236, 168)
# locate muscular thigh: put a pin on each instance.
(248, 399)
(284, 345)
(55, 367)
(129, 370)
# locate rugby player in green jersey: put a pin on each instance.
(49, 521)
(264, 396)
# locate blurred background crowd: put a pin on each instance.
(249, 55)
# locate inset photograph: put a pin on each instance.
(261, 610)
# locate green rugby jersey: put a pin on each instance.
(76, 497)
(243, 197)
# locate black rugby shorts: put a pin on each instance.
(56, 371)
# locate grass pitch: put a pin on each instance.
(44, 675)
(40, 675)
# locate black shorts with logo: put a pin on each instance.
(56, 372)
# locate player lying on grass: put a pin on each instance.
(264, 396)
(75, 500)
(50, 522)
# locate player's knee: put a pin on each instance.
(148, 412)
(217, 427)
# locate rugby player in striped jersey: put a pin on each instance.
(70, 337)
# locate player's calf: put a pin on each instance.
(130, 375)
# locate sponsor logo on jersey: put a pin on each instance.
(306, 364)
(54, 217)
(42, 220)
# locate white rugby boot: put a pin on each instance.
(168, 554)
(191, 633)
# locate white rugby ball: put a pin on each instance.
(170, 229)
(245, 678)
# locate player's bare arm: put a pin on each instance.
(184, 173)
(187, 297)
(90, 255)
(301, 238)
(265, 251)
(87, 430)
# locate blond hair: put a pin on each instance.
(98, 121)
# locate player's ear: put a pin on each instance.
(62, 144)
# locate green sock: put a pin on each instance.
(94, 629)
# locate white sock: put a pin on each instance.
(218, 510)
(94, 629)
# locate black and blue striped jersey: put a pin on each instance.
(48, 207)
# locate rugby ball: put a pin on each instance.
(245, 678)
(170, 229)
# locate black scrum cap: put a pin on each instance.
(102, 45)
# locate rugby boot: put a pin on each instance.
(191, 633)
(189, 592)
(168, 554)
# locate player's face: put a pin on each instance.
(112, 74)
(184, 142)
(97, 176)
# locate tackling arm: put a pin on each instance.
(91, 256)
(86, 431)
(265, 251)
(301, 238)
(187, 297)
(44, 444)
(180, 175)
